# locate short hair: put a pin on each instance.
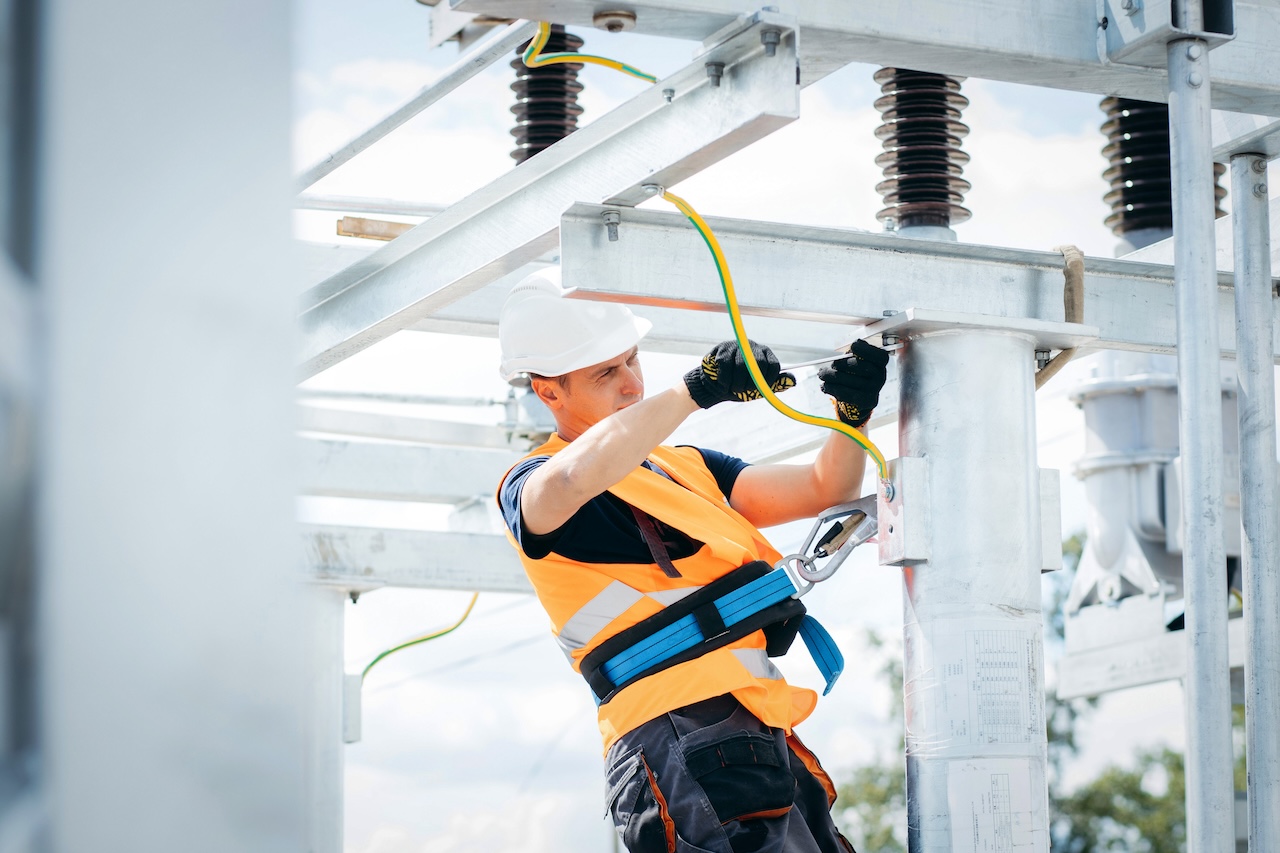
(562, 380)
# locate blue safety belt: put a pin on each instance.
(733, 607)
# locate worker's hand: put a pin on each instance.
(723, 375)
(855, 382)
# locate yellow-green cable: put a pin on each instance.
(421, 639)
(735, 314)
(532, 58)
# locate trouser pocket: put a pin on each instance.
(637, 806)
(748, 781)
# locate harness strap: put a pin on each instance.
(750, 598)
(657, 548)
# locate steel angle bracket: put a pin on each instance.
(667, 133)
(1137, 32)
(919, 321)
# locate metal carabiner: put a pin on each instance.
(854, 523)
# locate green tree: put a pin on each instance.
(1135, 810)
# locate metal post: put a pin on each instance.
(1210, 801)
(1261, 542)
(169, 590)
(325, 698)
(973, 656)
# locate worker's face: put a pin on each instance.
(581, 399)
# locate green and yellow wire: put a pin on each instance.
(422, 638)
(735, 314)
(535, 59)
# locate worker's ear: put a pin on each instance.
(549, 391)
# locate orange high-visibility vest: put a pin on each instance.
(590, 602)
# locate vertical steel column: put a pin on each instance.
(1210, 801)
(325, 754)
(1261, 542)
(168, 573)
(973, 656)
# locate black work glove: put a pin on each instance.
(723, 375)
(855, 382)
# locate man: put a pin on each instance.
(626, 542)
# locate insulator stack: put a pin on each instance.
(1137, 149)
(546, 107)
(922, 159)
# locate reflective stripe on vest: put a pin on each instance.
(617, 598)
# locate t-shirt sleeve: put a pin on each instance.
(723, 467)
(534, 546)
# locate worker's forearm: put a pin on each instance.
(617, 445)
(839, 469)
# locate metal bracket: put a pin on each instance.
(1137, 32)
(1050, 520)
(918, 321)
(904, 521)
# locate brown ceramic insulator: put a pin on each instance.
(922, 161)
(1137, 151)
(546, 107)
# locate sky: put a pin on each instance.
(484, 740)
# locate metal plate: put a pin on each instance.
(915, 322)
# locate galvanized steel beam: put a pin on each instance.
(1238, 133)
(1210, 808)
(851, 278)
(400, 472)
(363, 558)
(515, 219)
(1045, 43)
(1260, 544)
(1151, 660)
(376, 425)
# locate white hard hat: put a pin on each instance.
(542, 332)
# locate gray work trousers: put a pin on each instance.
(712, 778)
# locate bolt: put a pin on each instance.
(888, 312)
(611, 220)
(668, 95)
(355, 596)
(1195, 51)
(1042, 358)
(651, 189)
(1130, 7)
(614, 21)
(1258, 165)
(888, 339)
(1195, 79)
(770, 39)
(768, 8)
(1260, 190)
(715, 71)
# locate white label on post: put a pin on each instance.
(988, 680)
(993, 807)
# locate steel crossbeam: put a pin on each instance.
(854, 277)
(515, 218)
(398, 472)
(1239, 133)
(1042, 43)
(387, 427)
(364, 558)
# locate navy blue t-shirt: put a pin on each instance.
(604, 530)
